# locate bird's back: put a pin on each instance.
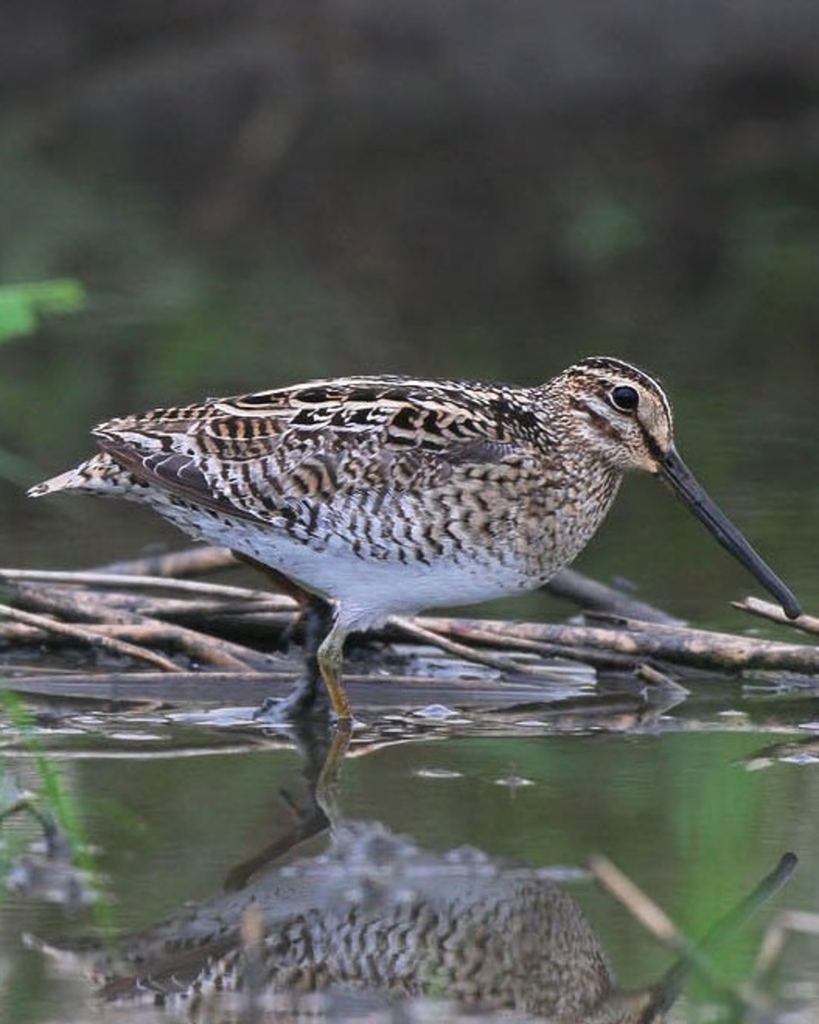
(462, 483)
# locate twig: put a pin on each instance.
(643, 909)
(86, 636)
(17, 633)
(773, 613)
(413, 629)
(495, 634)
(197, 646)
(102, 579)
(773, 943)
(188, 562)
(697, 648)
(112, 621)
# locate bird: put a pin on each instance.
(368, 497)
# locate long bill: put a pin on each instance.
(674, 471)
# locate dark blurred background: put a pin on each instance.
(258, 191)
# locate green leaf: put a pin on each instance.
(22, 304)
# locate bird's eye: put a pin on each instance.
(625, 398)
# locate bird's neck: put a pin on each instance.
(575, 498)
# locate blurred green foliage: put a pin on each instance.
(21, 305)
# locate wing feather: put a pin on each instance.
(256, 455)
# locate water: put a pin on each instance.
(172, 815)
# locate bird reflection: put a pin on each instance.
(377, 916)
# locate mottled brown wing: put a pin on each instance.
(313, 480)
(258, 464)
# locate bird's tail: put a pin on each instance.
(98, 475)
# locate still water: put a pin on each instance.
(176, 813)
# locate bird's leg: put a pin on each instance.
(317, 617)
(309, 697)
(281, 582)
(329, 657)
(317, 624)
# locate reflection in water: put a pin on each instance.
(804, 750)
(374, 913)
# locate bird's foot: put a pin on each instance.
(307, 701)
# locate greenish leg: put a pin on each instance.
(329, 656)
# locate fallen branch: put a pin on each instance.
(200, 648)
(86, 636)
(591, 595)
(135, 612)
(415, 631)
(679, 645)
(106, 580)
(773, 613)
(102, 619)
(483, 632)
(189, 562)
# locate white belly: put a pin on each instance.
(367, 591)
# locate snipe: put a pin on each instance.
(375, 496)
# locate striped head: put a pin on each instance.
(622, 415)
